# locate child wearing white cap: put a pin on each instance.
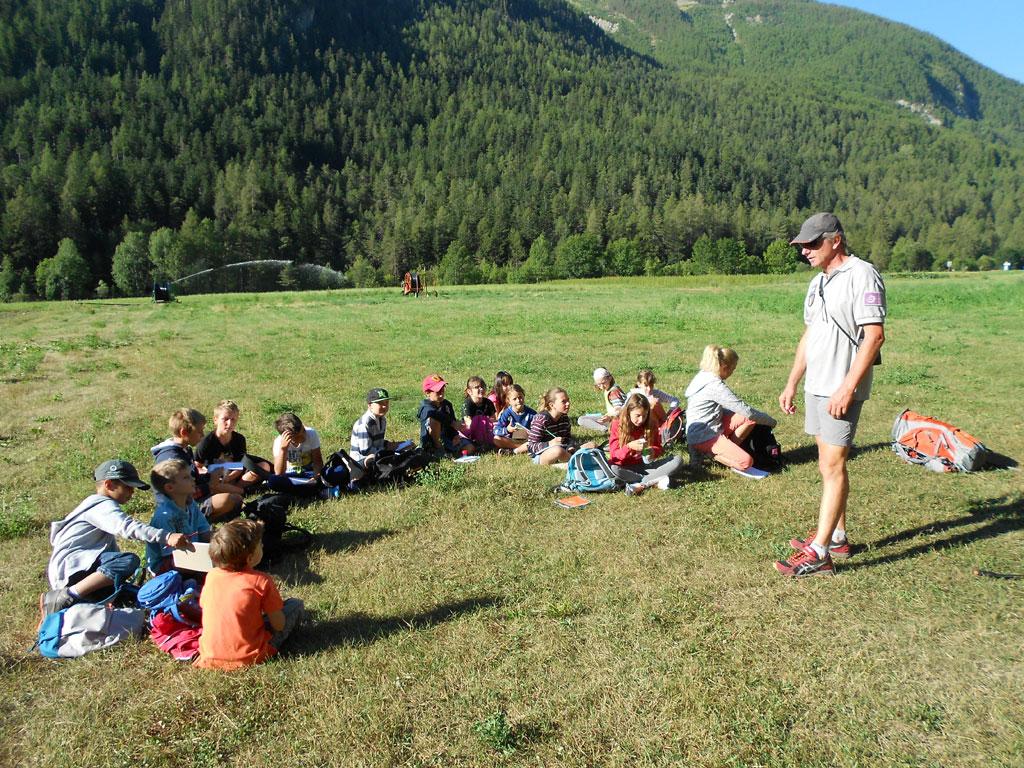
(614, 399)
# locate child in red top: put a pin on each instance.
(633, 432)
(244, 619)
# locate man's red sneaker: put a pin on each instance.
(836, 551)
(805, 562)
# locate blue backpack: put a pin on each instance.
(169, 593)
(588, 472)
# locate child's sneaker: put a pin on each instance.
(504, 452)
(805, 562)
(841, 551)
(752, 474)
(53, 601)
(634, 489)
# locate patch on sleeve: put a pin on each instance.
(873, 299)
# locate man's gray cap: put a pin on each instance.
(816, 226)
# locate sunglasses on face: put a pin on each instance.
(814, 244)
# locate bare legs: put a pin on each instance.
(835, 490)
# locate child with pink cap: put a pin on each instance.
(439, 427)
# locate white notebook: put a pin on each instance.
(227, 466)
(194, 561)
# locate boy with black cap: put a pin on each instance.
(85, 557)
(368, 431)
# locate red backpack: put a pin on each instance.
(939, 446)
(672, 427)
(171, 636)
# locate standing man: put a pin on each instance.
(843, 314)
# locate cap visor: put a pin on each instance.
(136, 484)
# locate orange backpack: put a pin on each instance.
(939, 446)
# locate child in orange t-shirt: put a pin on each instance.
(244, 619)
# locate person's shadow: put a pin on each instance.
(805, 454)
(995, 516)
(292, 567)
(360, 628)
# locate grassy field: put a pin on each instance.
(468, 620)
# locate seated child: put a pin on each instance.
(176, 510)
(86, 562)
(478, 414)
(216, 497)
(499, 395)
(225, 445)
(550, 440)
(662, 403)
(244, 619)
(440, 431)
(614, 399)
(634, 448)
(368, 431)
(296, 447)
(717, 420)
(514, 421)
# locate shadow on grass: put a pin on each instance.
(998, 516)
(292, 567)
(365, 629)
(999, 461)
(348, 541)
(808, 453)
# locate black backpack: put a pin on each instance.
(272, 510)
(399, 467)
(762, 445)
(340, 470)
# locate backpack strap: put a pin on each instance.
(856, 344)
(175, 610)
(189, 595)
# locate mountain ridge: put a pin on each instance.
(931, 66)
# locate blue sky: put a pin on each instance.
(989, 31)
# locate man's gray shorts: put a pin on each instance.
(818, 421)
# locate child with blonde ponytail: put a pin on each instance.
(717, 419)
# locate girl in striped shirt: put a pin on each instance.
(550, 440)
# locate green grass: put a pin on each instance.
(469, 621)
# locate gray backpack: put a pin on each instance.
(85, 627)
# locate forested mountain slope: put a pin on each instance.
(374, 137)
(838, 53)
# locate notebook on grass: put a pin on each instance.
(572, 502)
